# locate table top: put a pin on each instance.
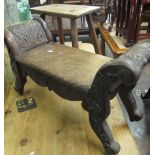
(65, 10)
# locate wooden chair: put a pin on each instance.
(126, 19)
(75, 74)
(108, 9)
(143, 16)
(129, 18)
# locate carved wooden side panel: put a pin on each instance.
(117, 76)
(28, 35)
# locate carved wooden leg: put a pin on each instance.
(146, 95)
(19, 85)
(103, 132)
(130, 104)
(20, 80)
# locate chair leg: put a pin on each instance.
(135, 114)
(103, 132)
(19, 81)
(19, 85)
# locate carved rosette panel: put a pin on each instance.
(28, 35)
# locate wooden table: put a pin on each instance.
(72, 12)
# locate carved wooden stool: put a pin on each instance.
(75, 74)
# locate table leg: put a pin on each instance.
(93, 34)
(74, 33)
(60, 30)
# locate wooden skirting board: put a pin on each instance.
(58, 127)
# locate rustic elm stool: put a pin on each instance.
(75, 74)
(71, 12)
